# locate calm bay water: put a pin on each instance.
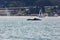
(21, 29)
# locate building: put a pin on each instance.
(51, 10)
(4, 12)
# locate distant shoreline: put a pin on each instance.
(18, 16)
(27, 17)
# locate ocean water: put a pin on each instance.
(21, 29)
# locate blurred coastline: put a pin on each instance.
(27, 17)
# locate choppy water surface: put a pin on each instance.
(21, 29)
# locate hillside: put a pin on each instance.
(18, 3)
